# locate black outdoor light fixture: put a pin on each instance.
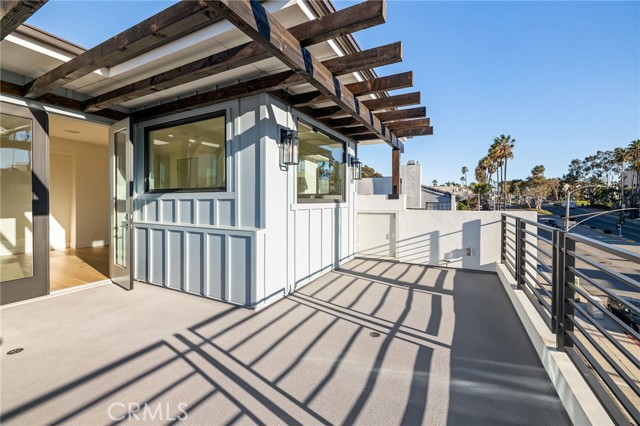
(289, 147)
(356, 166)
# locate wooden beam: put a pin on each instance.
(387, 54)
(360, 88)
(271, 83)
(402, 114)
(354, 18)
(250, 17)
(396, 187)
(401, 133)
(14, 12)
(59, 101)
(415, 131)
(176, 21)
(409, 124)
(372, 104)
(394, 126)
(385, 117)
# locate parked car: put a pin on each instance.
(552, 222)
(622, 311)
(572, 204)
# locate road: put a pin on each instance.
(630, 229)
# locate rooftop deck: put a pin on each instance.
(451, 350)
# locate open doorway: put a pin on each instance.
(79, 202)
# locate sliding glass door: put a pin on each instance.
(24, 203)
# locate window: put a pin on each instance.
(187, 155)
(321, 166)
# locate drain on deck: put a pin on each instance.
(374, 334)
(15, 351)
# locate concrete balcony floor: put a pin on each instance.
(450, 350)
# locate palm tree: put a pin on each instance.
(621, 156)
(502, 150)
(464, 173)
(479, 189)
(634, 157)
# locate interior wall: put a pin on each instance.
(62, 191)
(81, 213)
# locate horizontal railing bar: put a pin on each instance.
(533, 234)
(605, 398)
(617, 320)
(511, 269)
(543, 251)
(547, 279)
(530, 222)
(537, 293)
(605, 355)
(625, 254)
(511, 260)
(538, 283)
(609, 292)
(544, 314)
(606, 270)
(511, 247)
(634, 360)
(508, 238)
(624, 400)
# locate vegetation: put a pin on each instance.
(369, 172)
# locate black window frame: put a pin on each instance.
(329, 198)
(187, 120)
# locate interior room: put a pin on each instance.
(79, 202)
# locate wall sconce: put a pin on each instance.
(289, 147)
(356, 166)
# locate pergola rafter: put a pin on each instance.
(14, 12)
(351, 19)
(251, 18)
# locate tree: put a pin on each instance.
(464, 174)
(621, 156)
(434, 182)
(634, 158)
(369, 172)
(480, 189)
(502, 151)
(537, 185)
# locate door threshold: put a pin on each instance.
(60, 292)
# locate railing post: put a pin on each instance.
(503, 238)
(555, 280)
(521, 252)
(566, 293)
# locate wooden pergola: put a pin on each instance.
(360, 120)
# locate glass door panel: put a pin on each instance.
(24, 236)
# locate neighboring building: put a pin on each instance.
(418, 196)
(166, 153)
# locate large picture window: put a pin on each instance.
(321, 167)
(187, 155)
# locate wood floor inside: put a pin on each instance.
(73, 267)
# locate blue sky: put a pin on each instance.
(562, 78)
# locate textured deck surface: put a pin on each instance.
(450, 350)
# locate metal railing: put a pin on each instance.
(558, 273)
(440, 205)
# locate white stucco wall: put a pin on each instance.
(429, 237)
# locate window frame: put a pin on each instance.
(188, 120)
(335, 199)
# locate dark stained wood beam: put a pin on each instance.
(385, 117)
(272, 83)
(360, 88)
(250, 17)
(396, 187)
(354, 18)
(409, 124)
(402, 114)
(176, 21)
(14, 12)
(414, 131)
(387, 54)
(395, 126)
(59, 101)
(372, 104)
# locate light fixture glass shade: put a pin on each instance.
(356, 168)
(289, 147)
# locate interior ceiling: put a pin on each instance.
(78, 130)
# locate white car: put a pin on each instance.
(572, 204)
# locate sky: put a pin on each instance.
(562, 78)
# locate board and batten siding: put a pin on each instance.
(253, 243)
